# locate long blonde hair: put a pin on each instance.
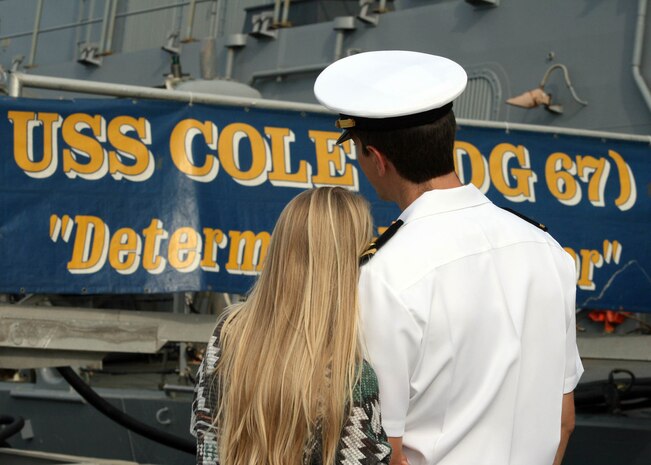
(290, 354)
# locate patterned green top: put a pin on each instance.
(363, 441)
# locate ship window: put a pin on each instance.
(481, 98)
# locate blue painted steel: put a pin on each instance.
(122, 220)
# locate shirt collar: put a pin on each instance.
(443, 200)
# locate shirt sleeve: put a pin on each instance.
(371, 405)
(573, 365)
(381, 447)
(363, 441)
(391, 338)
(204, 405)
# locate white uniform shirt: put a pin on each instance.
(468, 316)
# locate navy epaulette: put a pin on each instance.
(526, 218)
(380, 241)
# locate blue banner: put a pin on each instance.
(123, 196)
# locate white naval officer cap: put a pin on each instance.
(390, 89)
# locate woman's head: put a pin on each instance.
(290, 352)
(317, 239)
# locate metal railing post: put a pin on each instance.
(105, 24)
(214, 20)
(89, 27)
(637, 53)
(111, 28)
(37, 25)
(286, 13)
(192, 10)
(276, 19)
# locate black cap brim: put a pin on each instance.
(390, 124)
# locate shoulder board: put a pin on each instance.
(380, 241)
(526, 218)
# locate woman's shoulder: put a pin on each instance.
(367, 385)
(214, 346)
(368, 373)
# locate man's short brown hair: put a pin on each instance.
(419, 153)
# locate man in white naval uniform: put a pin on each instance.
(468, 311)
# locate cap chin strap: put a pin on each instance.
(346, 135)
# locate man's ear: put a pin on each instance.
(380, 160)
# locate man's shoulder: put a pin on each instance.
(402, 263)
(421, 246)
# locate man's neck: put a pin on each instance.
(407, 192)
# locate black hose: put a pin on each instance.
(122, 418)
(15, 424)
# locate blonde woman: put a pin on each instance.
(283, 381)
